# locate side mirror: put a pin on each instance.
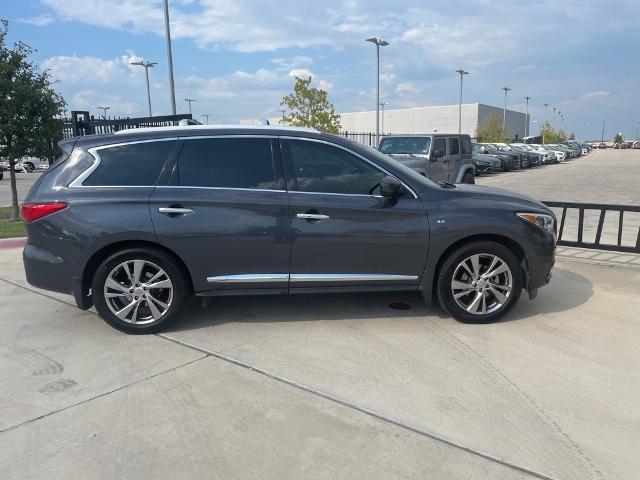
(436, 154)
(390, 187)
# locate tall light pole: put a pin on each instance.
(504, 112)
(167, 29)
(462, 74)
(378, 43)
(603, 122)
(104, 109)
(382, 104)
(544, 126)
(189, 100)
(526, 117)
(147, 66)
(206, 117)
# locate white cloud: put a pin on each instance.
(405, 88)
(595, 95)
(74, 69)
(41, 20)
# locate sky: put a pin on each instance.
(238, 58)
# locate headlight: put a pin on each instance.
(541, 220)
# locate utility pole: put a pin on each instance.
(504, 112)
(167, 29)
(283, 110)
(104, 109)
(603, 122)
(526, 117)
(189, 100)
(378, 43)
(462, 74)
(382, 104)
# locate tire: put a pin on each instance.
(468, 178)
(28, 167)
(494, 306)
(167, 300)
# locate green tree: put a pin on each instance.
(309, 107)
(490, 130)
(28, 109)
(618, 138)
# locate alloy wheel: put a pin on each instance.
(138, 292)
(482, 283)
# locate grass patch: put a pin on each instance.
(9, 229)
(5, 213)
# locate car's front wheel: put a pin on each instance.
(139, 290)
(468, 178)
(479, 282)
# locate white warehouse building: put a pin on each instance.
(442, 119)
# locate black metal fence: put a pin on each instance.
(367, 138)
(81, 123)
(622, 232)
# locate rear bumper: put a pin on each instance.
(44, 269)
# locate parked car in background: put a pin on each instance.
(531, 158)
(26, 164)
(216, 211)
(439, 157)
(548, 157)
(486, 164)
(560, 155)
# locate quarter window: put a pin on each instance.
(465, 144)
(135, 164)
(319, 167)
(439, 145)
(227, 163)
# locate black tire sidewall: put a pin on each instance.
(446, 271)
(468, 178)
(164, 261)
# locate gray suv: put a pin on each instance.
(440, 157)
(135, 222)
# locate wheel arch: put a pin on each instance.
(428, 284)
(98, 257)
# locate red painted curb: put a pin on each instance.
(6, 243)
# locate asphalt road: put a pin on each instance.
(23, 184)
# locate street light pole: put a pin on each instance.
(189, 100)
(206, 116)
(504, 112)
(147, 66)
(104, 109)
(378, 43)
(382, 104)
(544, 127)
(167, 29)
(526, 116)
(602, 140)
(462, 74)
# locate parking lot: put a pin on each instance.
(339, 386)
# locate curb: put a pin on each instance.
(7, 243)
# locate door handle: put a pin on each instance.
(171, 211)
(312, 216)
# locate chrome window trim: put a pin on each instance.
(309, 277)
(222, 188)
(93, 151)
(373, 164)
(250, 278)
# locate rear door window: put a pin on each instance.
(227, 163)
(454, 147)
(130, 165)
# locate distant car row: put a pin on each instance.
(502, 157)
(453, 158)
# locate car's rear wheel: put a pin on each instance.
(28, 167)
(479, 282)
(139, 290)
(468, 178)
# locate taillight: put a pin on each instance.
(34, 211)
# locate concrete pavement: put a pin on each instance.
(336, 386)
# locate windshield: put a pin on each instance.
(491, 148)
(405, 145)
